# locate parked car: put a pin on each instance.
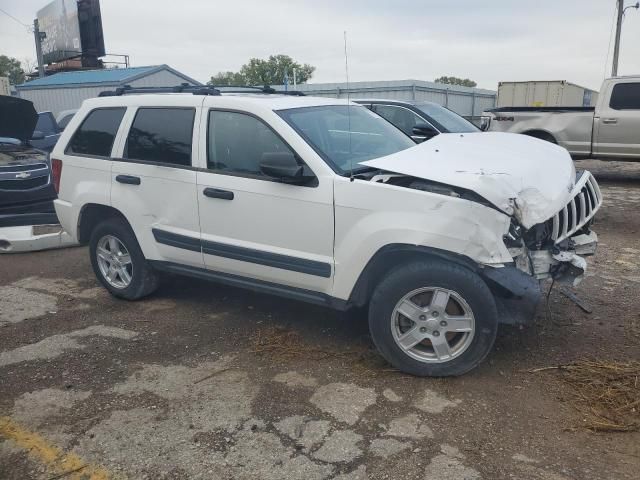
(26, 191)
(64, 117)
(328, 204)
(610, 130)
(46, 132)
(420, 120)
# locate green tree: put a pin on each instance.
(265, 72)
(227, 78)
(465, 82)
(11, 67)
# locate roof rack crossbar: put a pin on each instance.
(182, 88)
(265, 89)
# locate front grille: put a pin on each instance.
(23, 168)
(27, 184)
(586, 201)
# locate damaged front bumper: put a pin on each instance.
(555, 249)
(516, 287)
(565, 266)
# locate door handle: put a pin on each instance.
(217, 193)
(128, 179)
(610, 121)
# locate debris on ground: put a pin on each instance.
(606, 393)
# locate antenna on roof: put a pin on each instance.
(346, 70)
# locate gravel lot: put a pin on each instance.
(205, 381)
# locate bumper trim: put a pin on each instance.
(516, 293)
(26, 239)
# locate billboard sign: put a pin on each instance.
(59, 21)
(91, 36)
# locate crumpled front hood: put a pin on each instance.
(523, 176)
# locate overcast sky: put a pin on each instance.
(488, 41)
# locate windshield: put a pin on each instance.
(445, 120)
(326, 129)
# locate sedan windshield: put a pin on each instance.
(445, 120)
(345, 135)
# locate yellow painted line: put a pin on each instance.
(67, 464)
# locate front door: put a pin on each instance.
(255, 227)
(617, 128)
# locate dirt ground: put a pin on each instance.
(211, 382)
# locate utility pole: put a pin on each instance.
(39, 36)
(616, 47)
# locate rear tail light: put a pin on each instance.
(56, 173)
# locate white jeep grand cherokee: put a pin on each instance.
(326, 202)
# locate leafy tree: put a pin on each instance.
(11, 67)
(227, 78)
(465, 82)
(265, 72)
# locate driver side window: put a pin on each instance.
(402, 118)
(237, 143)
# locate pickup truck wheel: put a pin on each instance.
(547, 137)
(118, 262)
(433, 319)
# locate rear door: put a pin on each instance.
(253, 226)
(617, 128)
(154, 182)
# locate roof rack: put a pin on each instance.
(198, 90)
(252, 88)
(182, 88)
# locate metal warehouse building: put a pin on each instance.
(465, 101)
(67, 90)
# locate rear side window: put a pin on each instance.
(237, 143)
(161, 135)
(97, 132)
(625, 96)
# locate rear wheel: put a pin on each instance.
(547, 137)
(118, 261)
(433, 319)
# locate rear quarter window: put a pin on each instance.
(625, 96)
(97, 132)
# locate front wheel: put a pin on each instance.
(118, 261)
(433, 318)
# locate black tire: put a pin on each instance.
(144, 279)
(433, 273)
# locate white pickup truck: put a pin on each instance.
(610, 130)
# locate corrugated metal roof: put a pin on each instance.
(100, 78)
(108, 75)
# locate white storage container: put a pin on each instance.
(556, 93)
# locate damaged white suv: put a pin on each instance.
(326, 202)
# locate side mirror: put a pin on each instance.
(37, 135)
(484, 123)
(424, 130)
(284, 167)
